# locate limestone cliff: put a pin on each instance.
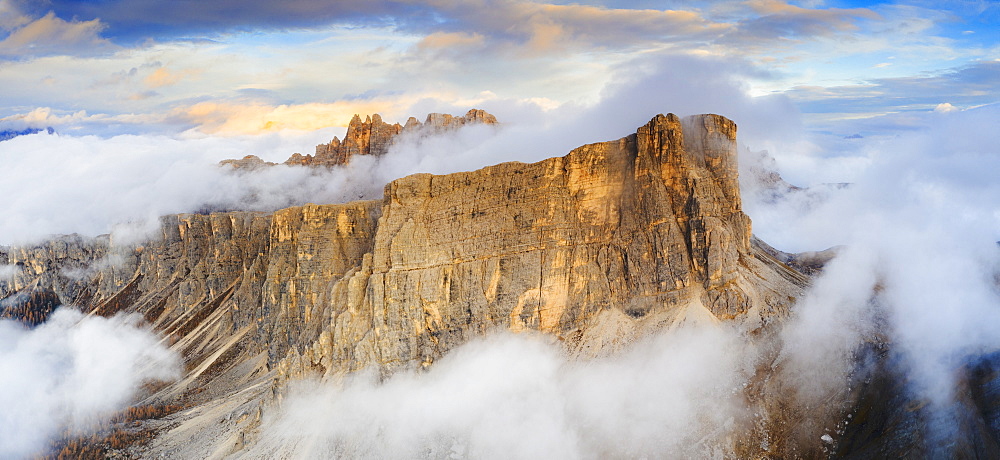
(594, 247)
(647, 225)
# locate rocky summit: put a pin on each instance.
(597, 248)
(370, 137)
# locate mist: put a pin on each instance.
(919, 224)
(522, 396)
(71, 372)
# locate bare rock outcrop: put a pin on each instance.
(374, 136)
(369, 137)
(249, 162)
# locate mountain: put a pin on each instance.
(371, 137)
(597, 249)
(8, 134)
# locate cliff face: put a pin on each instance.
(617, 231)
(595, 247)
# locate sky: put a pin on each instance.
(111, 67)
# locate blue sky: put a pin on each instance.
(111, 67)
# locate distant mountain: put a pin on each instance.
(9, 134)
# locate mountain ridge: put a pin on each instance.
(597, 248)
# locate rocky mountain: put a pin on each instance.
(8, 134)
(370, 137)
(597, 248)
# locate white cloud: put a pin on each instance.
(65, 184)
(920, 225)
(71, 371)
(519, 396)
(945, 107)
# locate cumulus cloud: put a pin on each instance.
(520, 49)
(41, 117)
(71, 371)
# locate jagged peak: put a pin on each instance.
(373, 136)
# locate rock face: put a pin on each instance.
(645, 225)
(594, 247)
(249, 162)
(374, 136)
(369, 137)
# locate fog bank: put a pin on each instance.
(72, 371)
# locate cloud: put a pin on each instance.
(523, 28)
(519, 396)
(446, 40)
(229, 118)
(519, 50)
(140, 19)
(968, 85)
(945, 107)
(46, 117)
(545, 28)
(11, 15)
(41, 117)
(51, 35)
(778, 23)
(88, 184)
(71, 371)
(8, 272)
(165, 77)
(920, 225)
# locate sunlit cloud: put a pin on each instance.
(308, 53)
(52, 35)
(165, 77)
